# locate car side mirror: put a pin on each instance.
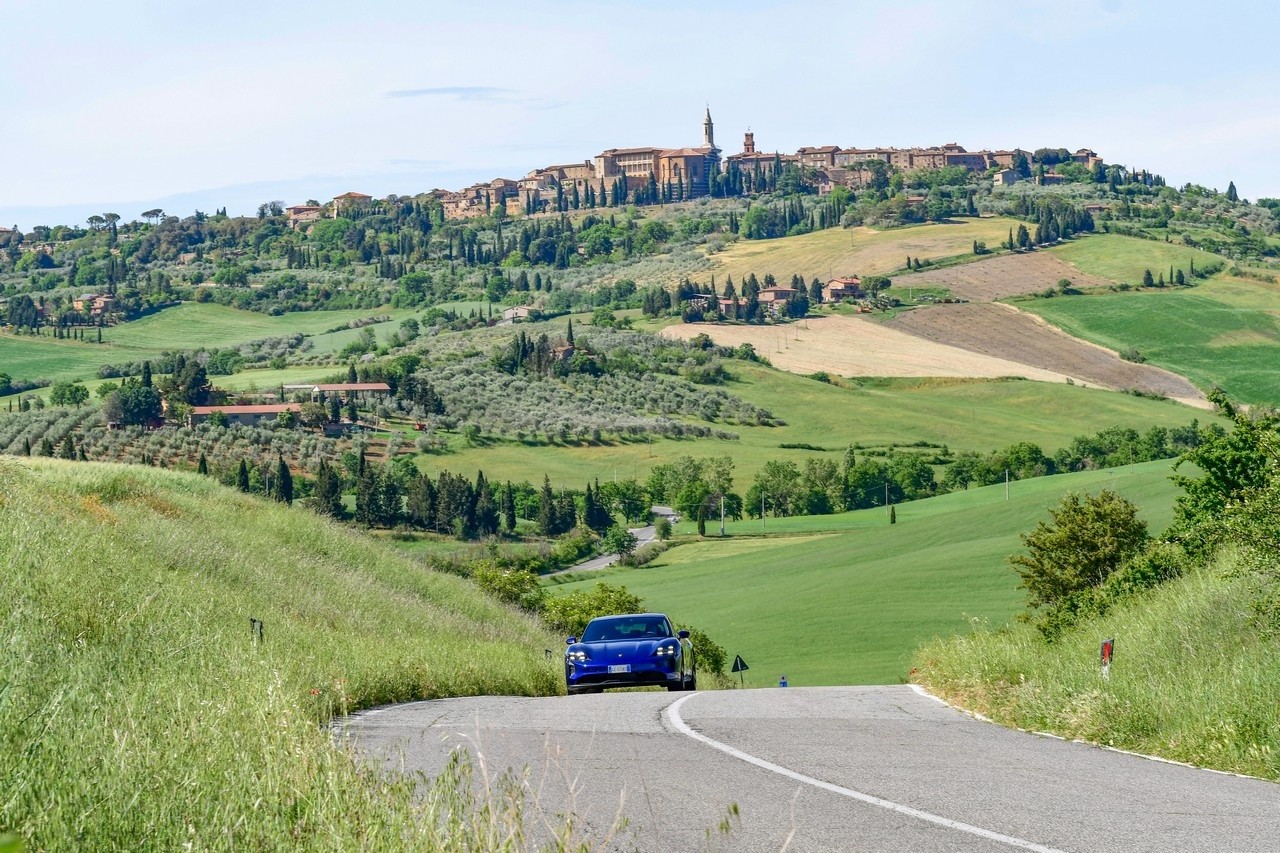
(571, 641)
(684, 635)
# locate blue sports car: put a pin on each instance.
(633, 650)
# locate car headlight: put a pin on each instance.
(666, 651)
(575, 656)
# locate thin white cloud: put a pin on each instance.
(460, 93)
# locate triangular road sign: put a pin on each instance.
(739, 665)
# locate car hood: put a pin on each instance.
(622, 648)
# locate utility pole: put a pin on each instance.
(761, 510)
(886, 493)
(1006, 484)
(722, 515)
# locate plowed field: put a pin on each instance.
(852, 346)
(1007, 275)
(1003, 332)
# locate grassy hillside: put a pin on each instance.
(1222, 332)
(136, 712)
(1123, 259)
(1193, 678)
(845, 599)
(842, 251)
(187, 326)
(963, 414)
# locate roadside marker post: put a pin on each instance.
(782, 681)
(1108, 649)
(740, 666)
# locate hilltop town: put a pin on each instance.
(652, 175)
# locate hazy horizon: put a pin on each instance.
(141, 105)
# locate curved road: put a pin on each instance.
(822, 769)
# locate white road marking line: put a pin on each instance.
(920, 691)
(678, 723)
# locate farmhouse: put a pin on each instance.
(360, 390)
(848, 287)
(95, 304)
(775, 299)
(301, 213)
(348, 202)
(242, 415)
(516, 314)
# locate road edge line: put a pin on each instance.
(672, 713)
(921, 691)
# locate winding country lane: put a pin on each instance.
(823, 769)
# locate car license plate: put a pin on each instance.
(619, 667)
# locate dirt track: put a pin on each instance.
(999, 277)
(1000, 331)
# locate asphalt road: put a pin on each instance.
(822, 769)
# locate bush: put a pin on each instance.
(569, 614)
(1089, 537)
(514, 586)
(708, 655)
(662, 528)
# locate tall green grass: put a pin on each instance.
(137, 712)
(1193, 678)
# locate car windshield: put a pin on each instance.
(627, 628)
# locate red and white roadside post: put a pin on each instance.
(1108, 648)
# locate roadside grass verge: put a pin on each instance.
(1192, 679)
(136, 711)
(846, 599)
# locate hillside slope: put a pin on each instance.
(1193, 677)
(845, 599)
(136, 710)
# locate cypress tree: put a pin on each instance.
(284, 482)
(546, 508)
(202, 466)
(146, 374)
(507, 507)
(242, 477)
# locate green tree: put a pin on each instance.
(1087, 538)
(202, 466)
(621, 541)
(242, 477)
(1232, 195)
(284, 481)
(68, 394)
(327, 496)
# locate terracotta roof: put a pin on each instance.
(351, 196)
(274, 408)
(617, 151)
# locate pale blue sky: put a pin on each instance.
(128, 105)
